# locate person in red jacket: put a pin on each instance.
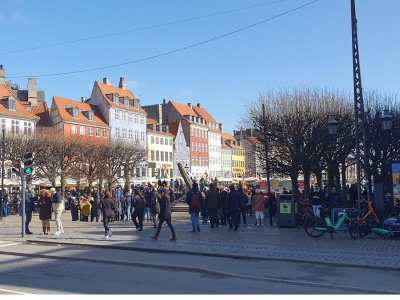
(259, 202)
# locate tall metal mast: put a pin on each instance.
(361, 145)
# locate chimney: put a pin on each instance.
(32, 92)
(164, 101)
(2, 75)
(190, 105)
(106, 81)
(122, 84)
(221, 127)
(198, 105)
(83, 99)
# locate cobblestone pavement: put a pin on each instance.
(277, 243)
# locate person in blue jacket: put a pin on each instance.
(29, 207)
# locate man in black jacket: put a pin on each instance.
(318, 199)
(233, 208)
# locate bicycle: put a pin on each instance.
(305, 211)
(316, 227)
(369, 220)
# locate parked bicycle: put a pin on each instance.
(305, 211)
(369, 219)
(317, 227)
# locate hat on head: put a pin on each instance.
(52, 189)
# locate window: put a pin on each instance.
(170, 142)
(126, 102)
(157, 155)
(152, 139)
(130, 134)
(91, 115)
(157, 140)
(130, 118)
(117, 133)
(75, 112)
(14, 126)
(82, 130)
(166, 156)
(12, 103)
(161, 141)
(152, 155)
(73, 129)
(97, 131)
(142, 120)
(27, 128)
(105, 133)
(123, 116)
(170, 157)
(117, 114)
(162, 155)
(142, 136)
(124, 133)
(3, 124)
(136, 119)
(90, 131)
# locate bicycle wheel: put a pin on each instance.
(364, 227)
(309, 226)
(351, 227)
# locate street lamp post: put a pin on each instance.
(267, 165)
(333, 126)
(386, 122)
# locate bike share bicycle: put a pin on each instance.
(318, 226)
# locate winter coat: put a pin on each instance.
(189, 200)
(138, 202)
(154, 203)
(234, 200)
(212, 198)
(29, 202)
(107, 207)
(259, 202)
(57, 202)
(86, 208)
(165, 208)
(317, 198)
(44, 204)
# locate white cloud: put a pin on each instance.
(18, 16)
(185, 93)
(132, 85)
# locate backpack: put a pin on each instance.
(195, 201)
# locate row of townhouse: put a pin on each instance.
(171, 132)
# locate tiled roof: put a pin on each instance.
(109, 89)
(183, 109)
(159, 132)
(201, 112)
(253, 140)
(227, 136)
(43, 113)
(62, 104)
(173, 127)
(151, 121)
(20, 109)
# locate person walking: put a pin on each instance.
(194, 198)
(318, 199)
(154, 197)
(224, 207)
(107, 208)
(128, 205)
(233, 208)
(29, 207)
(138, 203)
(6, 200)
(165, 215)
(212, 204)
(58, 207)
(44, 204)
(259, 203)
(74, 208)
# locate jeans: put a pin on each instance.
(146, 213)
(169, 225)
(194, 218)
(128, 213)
(154, 218)
(5, 209)
(233, 217)
(57, 218)
(316, 210)
(28, 219)
(138, 213)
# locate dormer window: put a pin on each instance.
(126, 101)
(91, 115)
(115, 98)
(75, 112)
(12, 103)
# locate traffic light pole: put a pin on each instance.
(23, 181)
(3, 173)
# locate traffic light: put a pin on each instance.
(16, 168)
(28, 161)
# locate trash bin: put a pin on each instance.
(286, 210)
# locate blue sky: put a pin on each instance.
(211, 60)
